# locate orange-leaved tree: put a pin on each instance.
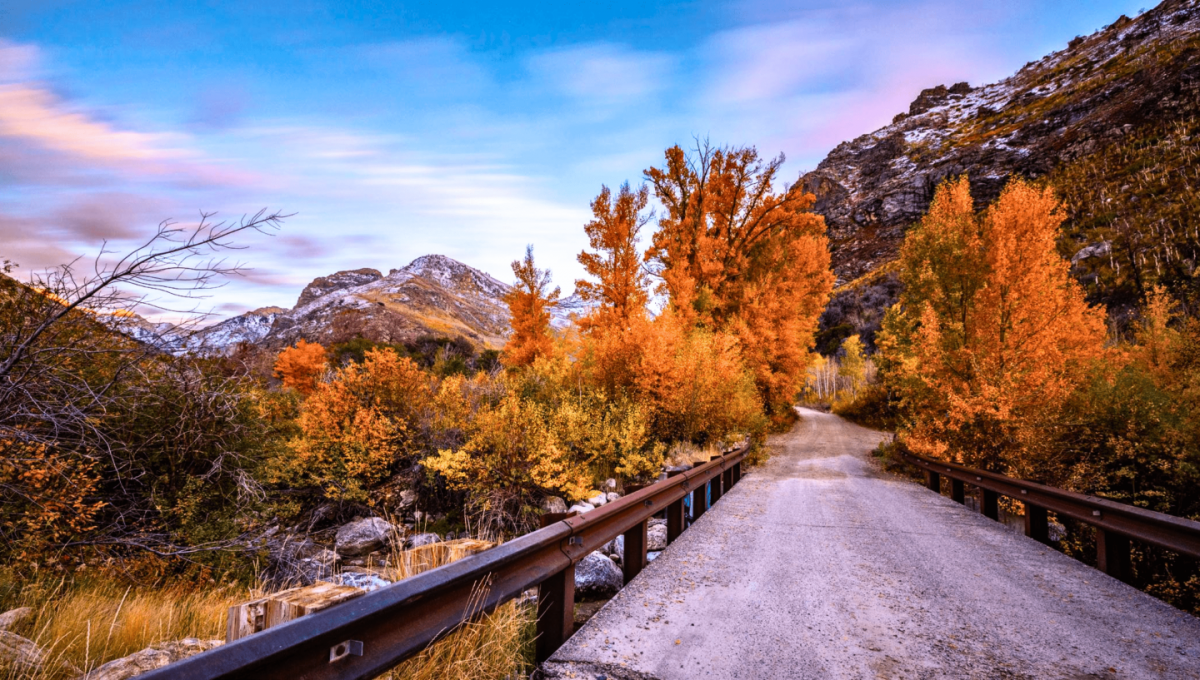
(301, 366)
(529, 304)
(621, 286)
(734, 254)
(991, 335)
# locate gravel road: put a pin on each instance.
(819, 565)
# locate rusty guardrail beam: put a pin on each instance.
(366, 636)
(1115, 523)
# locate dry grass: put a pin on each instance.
(85, 623)
(496, 647)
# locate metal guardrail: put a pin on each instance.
(1115, 523)
(369, 635)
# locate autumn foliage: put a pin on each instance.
(529, 304)
(301, 366)
(991, 335)
(735, 255)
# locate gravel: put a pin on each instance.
(820, 565)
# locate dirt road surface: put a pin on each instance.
(820, 565)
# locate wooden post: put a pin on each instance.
(933, 481)
(727, 480)
(556, 612)
(989, 504)
(1037, 523)
(958, 491)
(737, 472)
(674, 516)
(635, 552)
(1112, 554)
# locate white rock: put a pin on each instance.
(150, 658)
(610, 484)
(581, 508)
(554, 504)
(422, 539)
(18, 652)
(364, 536)
(598, 500)
(656, 537)
(597, 577)
(612, 496)
(11, 617)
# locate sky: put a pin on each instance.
(392, 130)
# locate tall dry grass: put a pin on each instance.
(86, 622)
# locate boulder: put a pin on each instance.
(297, 561)
(597, 577)
(581, 508)
(656, 537)
(598, 500)
(554, 504)
(363, 536)
(19, 652)
(12, 617)
(418, 540)
(408, 499)
(612, 496)
(610, 484)
(150, 658)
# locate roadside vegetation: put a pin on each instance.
(144, 492)
(994, 359)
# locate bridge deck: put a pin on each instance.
(819, 565)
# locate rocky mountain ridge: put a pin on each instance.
(1134, 82)
(432, 295)
(1070, 104)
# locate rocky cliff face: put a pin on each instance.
(1133, 73)
(1136, 79)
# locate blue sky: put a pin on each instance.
(468, 129)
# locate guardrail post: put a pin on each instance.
(1037, 523)
(635, 552)
(1112, 554)
(989, 504)
(674, 515)
(933, 481)
(958, 491)
(737, 472)
(727, 479)
(556, 612)
(716, 484)
(699, 498)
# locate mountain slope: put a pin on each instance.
(1071, 104)
(431, 296)
(1135, 79)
